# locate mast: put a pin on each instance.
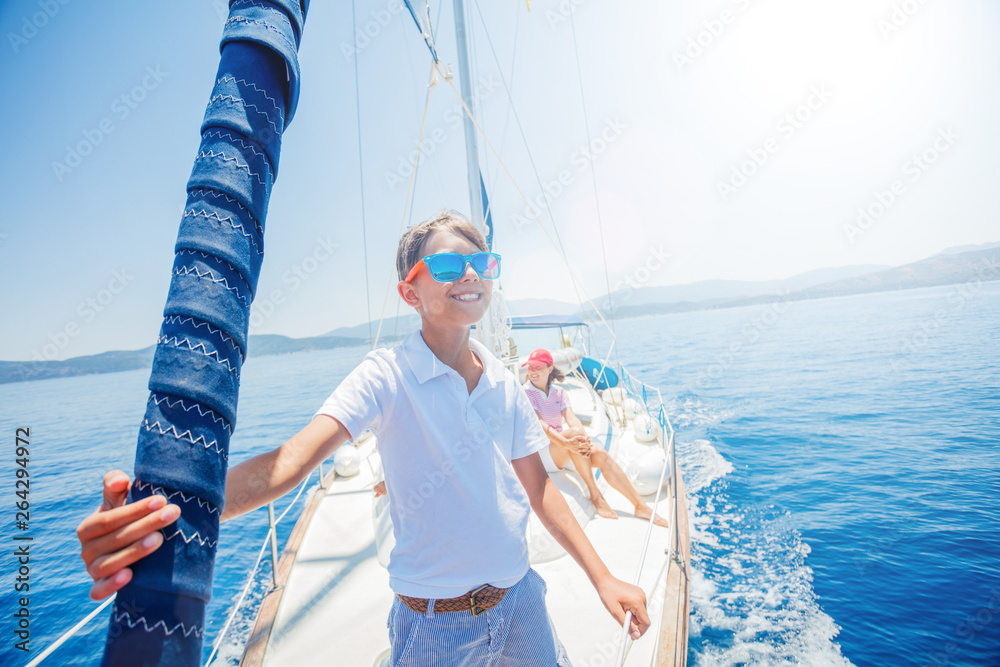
(158, 618)
(485, 330)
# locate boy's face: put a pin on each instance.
(463, 301)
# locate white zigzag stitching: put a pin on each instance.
(202, 154)
(178, 319)
(212, 509)
(194, 406)
(145, 625)
(218, 259)
(223, 195)
(186, 435)
(247, 105)
(263, 92)
(187, 270)
(219, 134)
(202, 213)
(265, 24)
(177, 342)
(195, 536)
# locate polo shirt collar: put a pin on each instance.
(425, 364)
(528, 386)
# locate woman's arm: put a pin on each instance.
(548, 503)
(556, 438)
(119, 534)
(571, 419)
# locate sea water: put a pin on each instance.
(841, 460)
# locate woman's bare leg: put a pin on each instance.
(586, 470)
(618, 480)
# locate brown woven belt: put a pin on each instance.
(476, 601)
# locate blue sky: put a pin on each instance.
(739, 139)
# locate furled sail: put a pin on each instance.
(159, 617)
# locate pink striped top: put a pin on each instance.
(551, 406)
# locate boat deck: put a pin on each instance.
(336, 600)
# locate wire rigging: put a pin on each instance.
(593, 178)
(524, 138)
(361, 172)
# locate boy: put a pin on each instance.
(438, 403)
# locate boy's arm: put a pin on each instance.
(118, 534)
(550, 506)
(268, 476)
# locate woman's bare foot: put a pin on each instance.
(643, 512)
(379, 489)
(603, 508)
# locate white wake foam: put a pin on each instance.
(752, 597)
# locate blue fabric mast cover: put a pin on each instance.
(183, 447)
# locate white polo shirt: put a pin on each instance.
(459, 512)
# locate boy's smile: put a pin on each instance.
(463, 301)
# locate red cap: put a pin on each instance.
(539, 357)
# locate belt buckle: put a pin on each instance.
(476, 610)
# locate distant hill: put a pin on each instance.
(128, 360)
(960, 264)
(725, 290)
(954, 250)
(941, 269)
(404, 324)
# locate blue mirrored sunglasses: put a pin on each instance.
(446, 267)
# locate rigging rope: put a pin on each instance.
(425, 33)
(593, 178)
(531, 159)
(361, 173)
(431, 85)
(533, 215)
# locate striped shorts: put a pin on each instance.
(515, 633)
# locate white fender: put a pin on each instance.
(613, 396)
(631, 408)
(646, 429)
(347, 461)
(567, 359)
(644, 471)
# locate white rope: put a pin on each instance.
(531, 210)
(69, 633)
(250, 578)
(246, 589)
(431, 85)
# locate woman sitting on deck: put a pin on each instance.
(573, 442)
